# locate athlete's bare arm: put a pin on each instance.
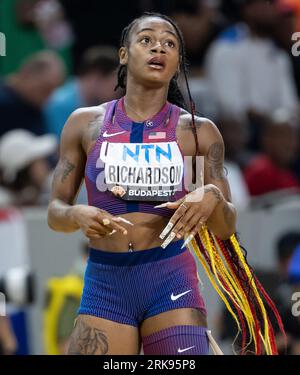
(68, 174)
(222, 221)
(78, 136)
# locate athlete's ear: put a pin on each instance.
(123, 55)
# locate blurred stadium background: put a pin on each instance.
(244, 72)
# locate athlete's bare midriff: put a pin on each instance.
(143, 235)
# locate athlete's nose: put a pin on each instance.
(158, 48)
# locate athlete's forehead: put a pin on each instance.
(154, 24)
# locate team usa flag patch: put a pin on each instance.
(157, 135)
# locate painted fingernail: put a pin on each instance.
(105, 221)
(124, 221)
(125, 232)
(178, 236)
(187, 241)
(111, 233)
(164, 205)
(166, 230)
(169, 239)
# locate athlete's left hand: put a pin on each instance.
(192, 212)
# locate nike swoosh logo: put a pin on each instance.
(184, 350)
(106, 135)
(174, 298)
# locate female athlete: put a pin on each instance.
(141, 282)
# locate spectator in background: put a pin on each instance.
(23, 94)
(295, 5)
(98, 22)
(291, 316)
(94, 85)
(235, 139)
(283, 34)
(249, 75)
(271, 170)
(286, 246)
(25, 174)
(198, 21)
(285, 249)
(20, 23)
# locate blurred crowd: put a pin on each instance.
(244, 74)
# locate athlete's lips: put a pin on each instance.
(157, 63)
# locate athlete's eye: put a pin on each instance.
(170, 43)
(146, 40)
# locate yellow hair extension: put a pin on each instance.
(245, 306)
(219, 262)
(234, 289)
(195, 248)
(254, 288)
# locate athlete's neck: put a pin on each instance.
(143, 103)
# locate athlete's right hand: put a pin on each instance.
(96, 223)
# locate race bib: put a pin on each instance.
(143, 172)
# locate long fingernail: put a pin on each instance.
(111, 233)
(125, 232)
(164, 205)
(169, 239)
(125, 221)
(105, 221)
(166, 230)
(187, 241)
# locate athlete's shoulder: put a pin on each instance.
(83, 124)
(80, 119)
(88, 113)
(208, 133)
(185, 121)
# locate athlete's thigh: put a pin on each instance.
(171, 318)
(98, 336)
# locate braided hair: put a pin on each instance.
(175, 95)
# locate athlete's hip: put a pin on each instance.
(154, 270)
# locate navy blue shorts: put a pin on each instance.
(133, 286)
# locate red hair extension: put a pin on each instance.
(239, 311)
(270, 304)
(232, 265)
(273, 308)
(272, 338)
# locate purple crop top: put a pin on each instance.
(135, 166)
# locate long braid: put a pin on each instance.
(225, 262)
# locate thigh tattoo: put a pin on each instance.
(87, 340)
